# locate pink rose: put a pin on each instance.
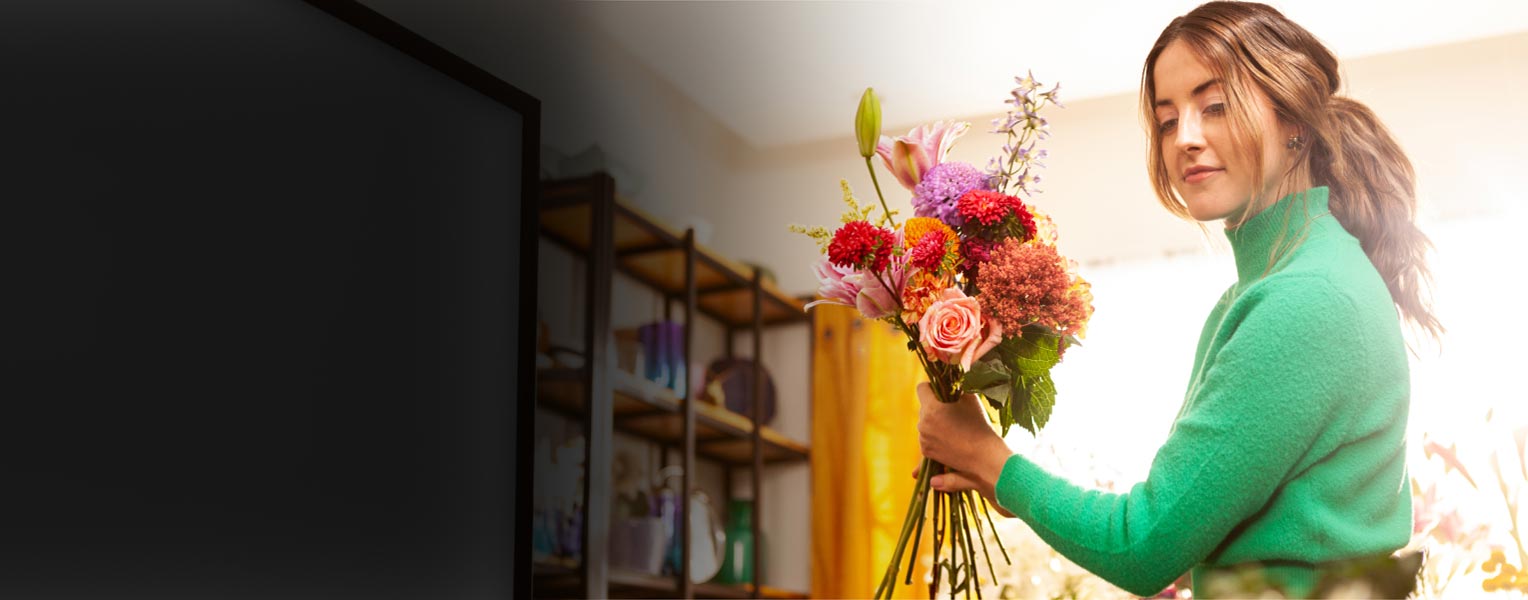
(952, 329)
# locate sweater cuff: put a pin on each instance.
(1019, 485)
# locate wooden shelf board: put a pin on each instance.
(566, 219)
(727, 435)
(736, 306)
(665, 270)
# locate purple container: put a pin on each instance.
(678, 371)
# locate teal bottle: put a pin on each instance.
(737, 567)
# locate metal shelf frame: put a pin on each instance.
(617, 237)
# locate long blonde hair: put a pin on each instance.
(1345, 147)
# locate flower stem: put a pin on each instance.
(877, 182)
(973, 576)
(939, 529)
(917, 535)
(920, 492)
(955, 542)
(982, 536)
(995, 537)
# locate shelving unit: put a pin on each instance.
(651, 411)
(656, 256)
(587, 218)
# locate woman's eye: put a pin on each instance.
(1215, 109)
(1167, 125)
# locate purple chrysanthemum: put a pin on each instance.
(941, 189)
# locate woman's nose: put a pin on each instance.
(1190, 134)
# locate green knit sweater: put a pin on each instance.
(1289, 451)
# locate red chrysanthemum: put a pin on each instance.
(1029, 283)
(1023, 216)
(928, 254)
(860, 245)
(989, 208)
(983, 206)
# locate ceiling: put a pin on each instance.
(786, 73)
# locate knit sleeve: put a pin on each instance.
(1259, 407)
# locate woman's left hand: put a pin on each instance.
(958, 436)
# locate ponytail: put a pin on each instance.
(1373, 194)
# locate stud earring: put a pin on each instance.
(1295, 143)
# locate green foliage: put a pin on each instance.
(993, 380)
(1042, 398)
(1015, 379)
(1033, 353)
(985, 374)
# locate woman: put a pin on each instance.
(1289, 451)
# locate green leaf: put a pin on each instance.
(986, 374)
(997, 402)
(1042, 398)
(993, 409)
(1007, 417)
(997, 395)
(1019, 409)
(1033, 353)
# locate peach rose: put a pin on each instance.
(952, 329)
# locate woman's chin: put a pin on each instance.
(1205, 214)
(1204, 207)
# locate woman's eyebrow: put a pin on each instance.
(1198, 89)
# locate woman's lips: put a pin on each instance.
(1199, 175)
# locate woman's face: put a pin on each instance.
(1212, 174)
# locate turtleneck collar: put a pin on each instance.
(1275, 227)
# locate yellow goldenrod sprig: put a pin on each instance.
(856, 212)
(818, 234)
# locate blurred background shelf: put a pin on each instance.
(654, 254)
(648, 410)
(606, 235)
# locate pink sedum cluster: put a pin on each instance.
(1030, 283)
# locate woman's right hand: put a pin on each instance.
(953, 482)
(959, 436)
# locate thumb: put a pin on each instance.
(926, 393)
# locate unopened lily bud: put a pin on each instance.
(867, 123)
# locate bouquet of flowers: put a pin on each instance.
(975, 281)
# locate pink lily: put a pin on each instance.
(875, 300)
(910, 156)
(835, 284)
